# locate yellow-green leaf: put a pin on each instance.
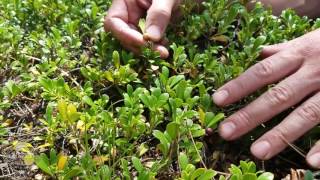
(62, 108)
(62, 161)
(109, 76)
(116, 59)
(142, 25)
(28, 159)
(72, 113)
(100, 160)
(202, 116)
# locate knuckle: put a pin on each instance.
(291, 55)
(279, 95)
(263, 69)
(312, 72)
(243, 118)
(280, 133)
(161, 12)
(310, 112)
(107, 23)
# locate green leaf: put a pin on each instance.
(42, 162)
(258, 42)
(173, 129)
(75, 171)
(116, 59)
(88, 100)
(142, 149)
(28, 159)
(307, 176)
(234, 170)
(72, 113)
(163, 140)
(137, 164)
(145, 99)
(266, 176)
(197, 173)
(53, 156)
(209, 174)
(62, 108)
(142, 25)
(250, 176)
(183, 161)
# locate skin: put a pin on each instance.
(295, 64)
(123, 19)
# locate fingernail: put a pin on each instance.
(220, 97)
(227, 130)
(153, 33)
(314, 160)
(209, 132)
(261, 149)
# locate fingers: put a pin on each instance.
(158, 18)
(294, 126)
(144, 3)
(313, 157)
(117, 22)
(274, 49)
(122, 19)
(286, 94)
(124, 33)
(266, 72)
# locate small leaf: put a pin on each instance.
(183, 161)
(62, 160)
(266, 176)
(88, 100)
(173, 129)
(42, 162)
(250, 176)
(258, 42)
(100, 160)
(109, 76)
(116, 59)
(197, 173)
(202, 116)
(142, 149)
(142, 25)
(307, 176)
(28, 159)
(72, 113)
(220, 38)
(62, 108)
(137, 164)
(75, 171)
(209, 174)
(213, 122)
(163, 140)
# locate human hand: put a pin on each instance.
(123, 19)
(297, 65)
(308, 8)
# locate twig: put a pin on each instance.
(33, 58)
(194, 144)
(297, 149)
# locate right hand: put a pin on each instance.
(123, 18)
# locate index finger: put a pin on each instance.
(267, 71)
(117, 22)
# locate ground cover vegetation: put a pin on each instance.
(74, 103)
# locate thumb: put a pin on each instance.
(158, 18)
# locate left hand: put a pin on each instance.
(296, 64)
